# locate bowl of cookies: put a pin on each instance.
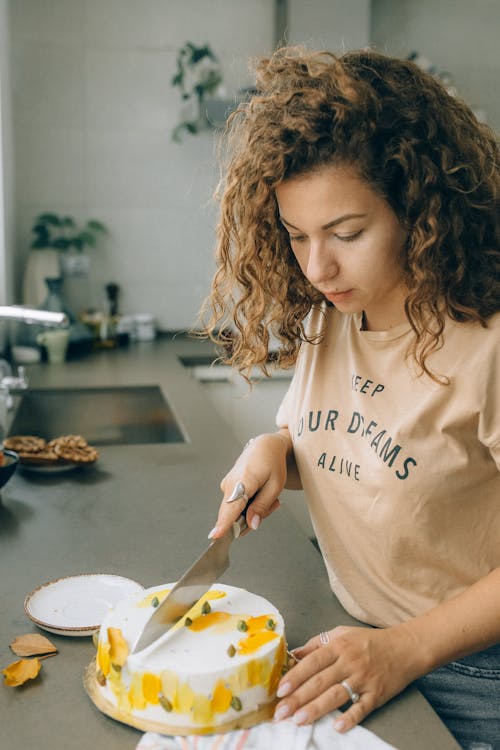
(8, 464)
(43, 455)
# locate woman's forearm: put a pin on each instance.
(293, 481)
(465, 624)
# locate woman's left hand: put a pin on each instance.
(376, 664)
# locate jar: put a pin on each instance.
(144, 327)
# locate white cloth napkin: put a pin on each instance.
(273, 734)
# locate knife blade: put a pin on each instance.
(195, 582)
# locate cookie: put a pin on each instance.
(25, 445)
(74, 448)
(46, 457)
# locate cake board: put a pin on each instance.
(146, 725)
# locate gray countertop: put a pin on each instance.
(144, 512)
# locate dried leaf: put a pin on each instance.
(21, 671)
(32, 644)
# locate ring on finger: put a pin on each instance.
(324, 638)
(238, 493)
(353, 696)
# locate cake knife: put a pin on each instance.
(195, 582)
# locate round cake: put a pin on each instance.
(216, 669)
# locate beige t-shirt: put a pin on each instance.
(402, 474)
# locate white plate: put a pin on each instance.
(76, 605)
(50, 468)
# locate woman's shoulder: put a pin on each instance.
(488, 331)
(472, 342)
(494, 321)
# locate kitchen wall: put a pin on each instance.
(6, 164)
(93, 113)
(458, 36)
(329, 24)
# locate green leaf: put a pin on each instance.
(52, 219)
(96, 226)
(178, 78)
(42, 236)
(85, 238)
(211, 81)
(41, 229)
(199, 53)
(39, 244)
(190, 127)
(61, 243)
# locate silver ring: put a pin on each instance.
(324, 638)
(353, 696)
(238, 493)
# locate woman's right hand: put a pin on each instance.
(262, 469)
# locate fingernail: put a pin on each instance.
(283, 690)
(300, 716)
(339, 725)
(255, 522)
(281, 713)
(213, 532)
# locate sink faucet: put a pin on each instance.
(10, 383)
(33, 315)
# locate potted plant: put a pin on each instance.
(63, 232)
(58, 248)
(198, 76)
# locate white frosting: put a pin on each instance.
(191, 663)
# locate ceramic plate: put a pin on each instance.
(48, 468)
(61, 468)
(76, 605)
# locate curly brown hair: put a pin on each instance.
(421, 149)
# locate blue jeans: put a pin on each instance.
(466, 696)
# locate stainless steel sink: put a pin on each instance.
(123, 415)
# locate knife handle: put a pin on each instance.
(239, 527)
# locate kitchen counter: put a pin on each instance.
(144, 512)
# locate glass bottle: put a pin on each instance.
(53, 301)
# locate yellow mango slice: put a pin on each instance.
(151, 687)
(276, 672)
(202, 709)
(118, 648)
(103, 659)
(255, 640)
(135, 694)
(184, 699)
(169, 683)
(209, 621)
(257, 623)
(221, 699)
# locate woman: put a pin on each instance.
(359, 228)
